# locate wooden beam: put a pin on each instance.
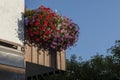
(12, 69)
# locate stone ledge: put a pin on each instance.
(12, 69)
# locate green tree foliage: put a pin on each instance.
(99, 67)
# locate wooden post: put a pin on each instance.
(34, 54)
(63, 60)
(28, 55)
(58, 60)
(41, 55)
(47, 58)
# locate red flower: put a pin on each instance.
(53, 14)
(52, 26)
(30, 30)
(48, 10)
(46, 38)
(37, 39)
(47, 33)
(31, 34)
(40, 16)
(37, 23)
(59, 31)
(45, 23)
(36, 32)
(42, 7)
(47, 17)
(42, 29)
(31, 23)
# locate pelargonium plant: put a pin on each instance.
(45, 28)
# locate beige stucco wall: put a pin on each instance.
(10, 14)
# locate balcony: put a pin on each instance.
(30, 63)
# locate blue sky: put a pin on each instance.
(99, 22)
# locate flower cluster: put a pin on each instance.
(50, 30)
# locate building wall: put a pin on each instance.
(11, 29)
(11, 12)
(5, 75)
(11, 57)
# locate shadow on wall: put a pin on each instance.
(20, 31)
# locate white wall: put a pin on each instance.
(10, 13)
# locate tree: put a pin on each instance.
(99, 67)
(115, 51)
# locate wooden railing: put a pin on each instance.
(45, 57)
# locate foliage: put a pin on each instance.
(46, 28)
(99, 67)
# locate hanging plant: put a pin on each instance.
(45, 28)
